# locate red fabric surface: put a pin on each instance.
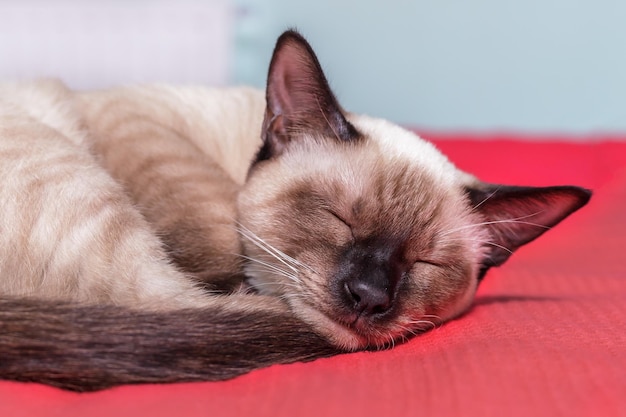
(547, 335)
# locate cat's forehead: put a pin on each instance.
(400, 146)
(386, 174)
(385, 161)
(386, 171)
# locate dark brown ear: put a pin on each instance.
(299, 99)
(518, 215)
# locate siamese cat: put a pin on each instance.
(158, 233)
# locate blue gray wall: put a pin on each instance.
(532, 65)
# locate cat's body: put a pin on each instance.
(68, 227)
(153, 234)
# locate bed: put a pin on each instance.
(546, 336)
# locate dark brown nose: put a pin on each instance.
(367, 278)
(368, 297)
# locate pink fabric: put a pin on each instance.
(547, 335)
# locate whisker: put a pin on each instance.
(432, 316)
(406, 330)
(486, 199)
(429, 323)
(247, 233)
(252, 272)
(280, 296)
(514, 220)
(296, 262)
(486, 242)
(298, 291)
(268, 249)
(273, 268)
(275, 284)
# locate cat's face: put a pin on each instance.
(363, 241)
(366, 230)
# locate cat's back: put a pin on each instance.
(67, 229)
(182, 154)
(223, 123)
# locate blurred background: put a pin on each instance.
(533, 66)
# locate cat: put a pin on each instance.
(160, 233)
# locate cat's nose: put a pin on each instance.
(367, 297)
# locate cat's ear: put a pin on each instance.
(515, 216)
(299, 99)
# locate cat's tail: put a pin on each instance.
(85, 348)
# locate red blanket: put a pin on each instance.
(547, 335)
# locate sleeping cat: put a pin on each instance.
(158, 233)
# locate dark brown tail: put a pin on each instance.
(85, 348)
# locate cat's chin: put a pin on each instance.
(360, 334)
(339, 335)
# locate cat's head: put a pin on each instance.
(367, 231)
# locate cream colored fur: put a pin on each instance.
(185, 233)
(73, 227)
(68, 230)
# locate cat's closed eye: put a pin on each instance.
(341, 220)
(428, 262)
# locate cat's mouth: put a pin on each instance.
(348, 331)
(376, 334)
(359, 321)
